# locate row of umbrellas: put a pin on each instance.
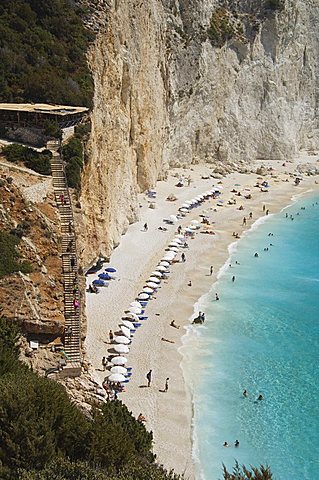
(118, 370)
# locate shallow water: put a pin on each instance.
(262, 335)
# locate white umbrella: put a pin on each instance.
(169, 257)
(163, 264)
(157, 273)
(180, 236)
(119, 360)
(135, 304)
(195, 222)
(162, 268)
(173, 244)
(152, 285)
(126, 331)
(177, 240)
(136, 310)
(116, 377)
(121, 348)
(148, 289)
(128, 324)
(173, 249)
(188, 202)
(133, 315)
(154, 280)
(143, 296)
(183, 210)
(122, 339)
(119, 369)
(192, 227)
(173, 218)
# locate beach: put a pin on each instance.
(169, 414)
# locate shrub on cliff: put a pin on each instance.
(220, 29)
(73, 156)
(43, 435)
(37, 161)
(10, 257)
(274, 5)
(43, 53)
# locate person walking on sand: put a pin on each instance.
(145, 227)
(183, 257)
(149, 378)
(166, 385)
(111, 336)
(211, 270)
(104, 363)
(244, 221)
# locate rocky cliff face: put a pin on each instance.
(188, 81)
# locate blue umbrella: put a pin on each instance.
(104, 276)
(110, 269)
(100, 283)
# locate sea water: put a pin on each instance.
(262, 336)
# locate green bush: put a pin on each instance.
(37, 161)
(43, 53)
(244, 473)
(9, 255)
(220, 29)
(274, 5)
(73, 155)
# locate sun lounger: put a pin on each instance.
(143, 318)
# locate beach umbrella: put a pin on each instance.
(100, 283)
(154, 280)
(168, 258)
(157, 273)
(152, 285)
(173, 218)
(133, 315)
(183, 210)
(186, 206)
(173, 244)
(121, 339)
(170, 255)
(164, 264)
(104, 276)
(119, 360)
(128, 324)
(135, 304)
(126, 331)
(195, 222)
(110, 269)
(121, 348)
(177, 240)
(148, 290)
(118, 369)
(173, 249)
(180, 236)
(116, 377)
(143, 296)
(188, 202)
(162, 268)
(136, 310)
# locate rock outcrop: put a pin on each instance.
(180, 82)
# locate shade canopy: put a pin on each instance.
(128, 324)
(100, 283)
(185, 206)
(121, 348)
(122, 339)
(136, 310)
(162, 268)
(135, 304)
(119, 360)
(177, 240)
(180, 236)
(148, 289)
(110, 269)
(152, 285)
(154, 280)
(143, 296)
(126, 331)
(116, 377)
(164, 264)
(173, 249)
(195, 222)
(157, 273)
(104, 276)
(118, 369)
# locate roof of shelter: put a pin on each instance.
(42, 108)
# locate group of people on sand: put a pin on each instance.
(112, 389)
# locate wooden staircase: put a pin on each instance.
(72, 310)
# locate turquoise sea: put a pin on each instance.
(262, 336)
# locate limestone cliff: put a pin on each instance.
(187, 81)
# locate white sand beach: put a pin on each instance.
(169, 414)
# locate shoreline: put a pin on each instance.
(169, 414)
(188, 341)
